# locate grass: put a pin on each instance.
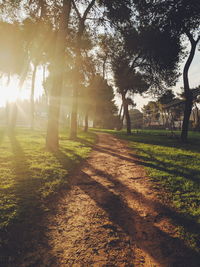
(30, 175)
(176, 168)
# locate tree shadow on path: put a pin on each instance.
(187, 222)
(163, 248)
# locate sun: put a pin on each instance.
(10, 92)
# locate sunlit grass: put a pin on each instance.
(29, 174)
(176, 168)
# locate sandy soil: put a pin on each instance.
(111, 216)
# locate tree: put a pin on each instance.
(146, 110)
(116, 7)
(152, 113)
(144, 47)
(180, 19)
(78, 43)
(127, 80)
(52, 140)
(136, 118)
(164, 100)
(104, 53)
(102, 99)
(35, 32)
(87, 95)
(13, 62)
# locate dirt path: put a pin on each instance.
(109, 217)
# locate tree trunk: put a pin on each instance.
(52, 138)
(73, 128)
(81, 29)
(12, 108)
(127, 116)
(165, 116)
(73, 125)
(197, 117)
(104, 67)
(32, 96)
(120, 112)
(74, 113)
(194, 125)
(172, 121)
(163, 119)
(121, 117)
(186, 119)
(86, 122)
(187, 91)
(44, 80)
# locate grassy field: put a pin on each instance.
(29, 174)
(175, 167)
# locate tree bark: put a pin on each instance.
(52, 138)
(187, 92)
(32, 96)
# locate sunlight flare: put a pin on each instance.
(10, 92)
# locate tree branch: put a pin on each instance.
(134, 61)
(76, 9)
(189, 35)
(84, 17)
(198, 39)
(88, 9)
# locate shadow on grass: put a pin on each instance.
(160, 138)
(26, 185)
(67, 162)
(85, 142)
(163, 140)
(25, 193)
(25, 233)
(173, 169)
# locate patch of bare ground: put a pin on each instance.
(111, 216)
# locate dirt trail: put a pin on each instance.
(109, 217)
